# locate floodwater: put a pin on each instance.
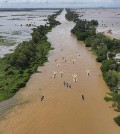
(16, 27)
(109, 19)
(63, 111)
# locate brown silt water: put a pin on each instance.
(67, 96)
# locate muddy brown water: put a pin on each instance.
(62, 110)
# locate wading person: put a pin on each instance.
(74, 77)
(69, 85)
(54, 75)
(74, 61)
(42, 98)
(64, 83)
(61, 74)
(83, 97)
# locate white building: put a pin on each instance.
(117, 56)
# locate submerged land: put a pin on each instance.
(16, 26)
(66, 95)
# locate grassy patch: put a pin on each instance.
(107, 99)
(6, 41)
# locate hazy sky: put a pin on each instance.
(65, 3)
(56, 1)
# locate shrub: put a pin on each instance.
(117, 120)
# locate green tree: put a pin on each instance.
(117, 120)
(112, 79)
(88, 41)
(108, 65)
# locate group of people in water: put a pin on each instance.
(67, 84)
(55, 74)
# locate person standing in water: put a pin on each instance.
(64, 83)
(83, 97)
(69, 85)
(74, 77)
(54, 75)
(74, 61)
(42, 98)
(61, 74)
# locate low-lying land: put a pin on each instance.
(17, 25)
(105, 49)
(17, 67)
(108, 19)
(6, 41)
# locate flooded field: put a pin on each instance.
(62, 110)
(16, 27)
(109, 19)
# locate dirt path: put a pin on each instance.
(62, 110)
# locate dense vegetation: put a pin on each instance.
(16, 68)
(52, 20)
(117, 120)
(84, 29)
(105, 49)
(71, 16)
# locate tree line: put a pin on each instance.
(16, 68)
(105, 49)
